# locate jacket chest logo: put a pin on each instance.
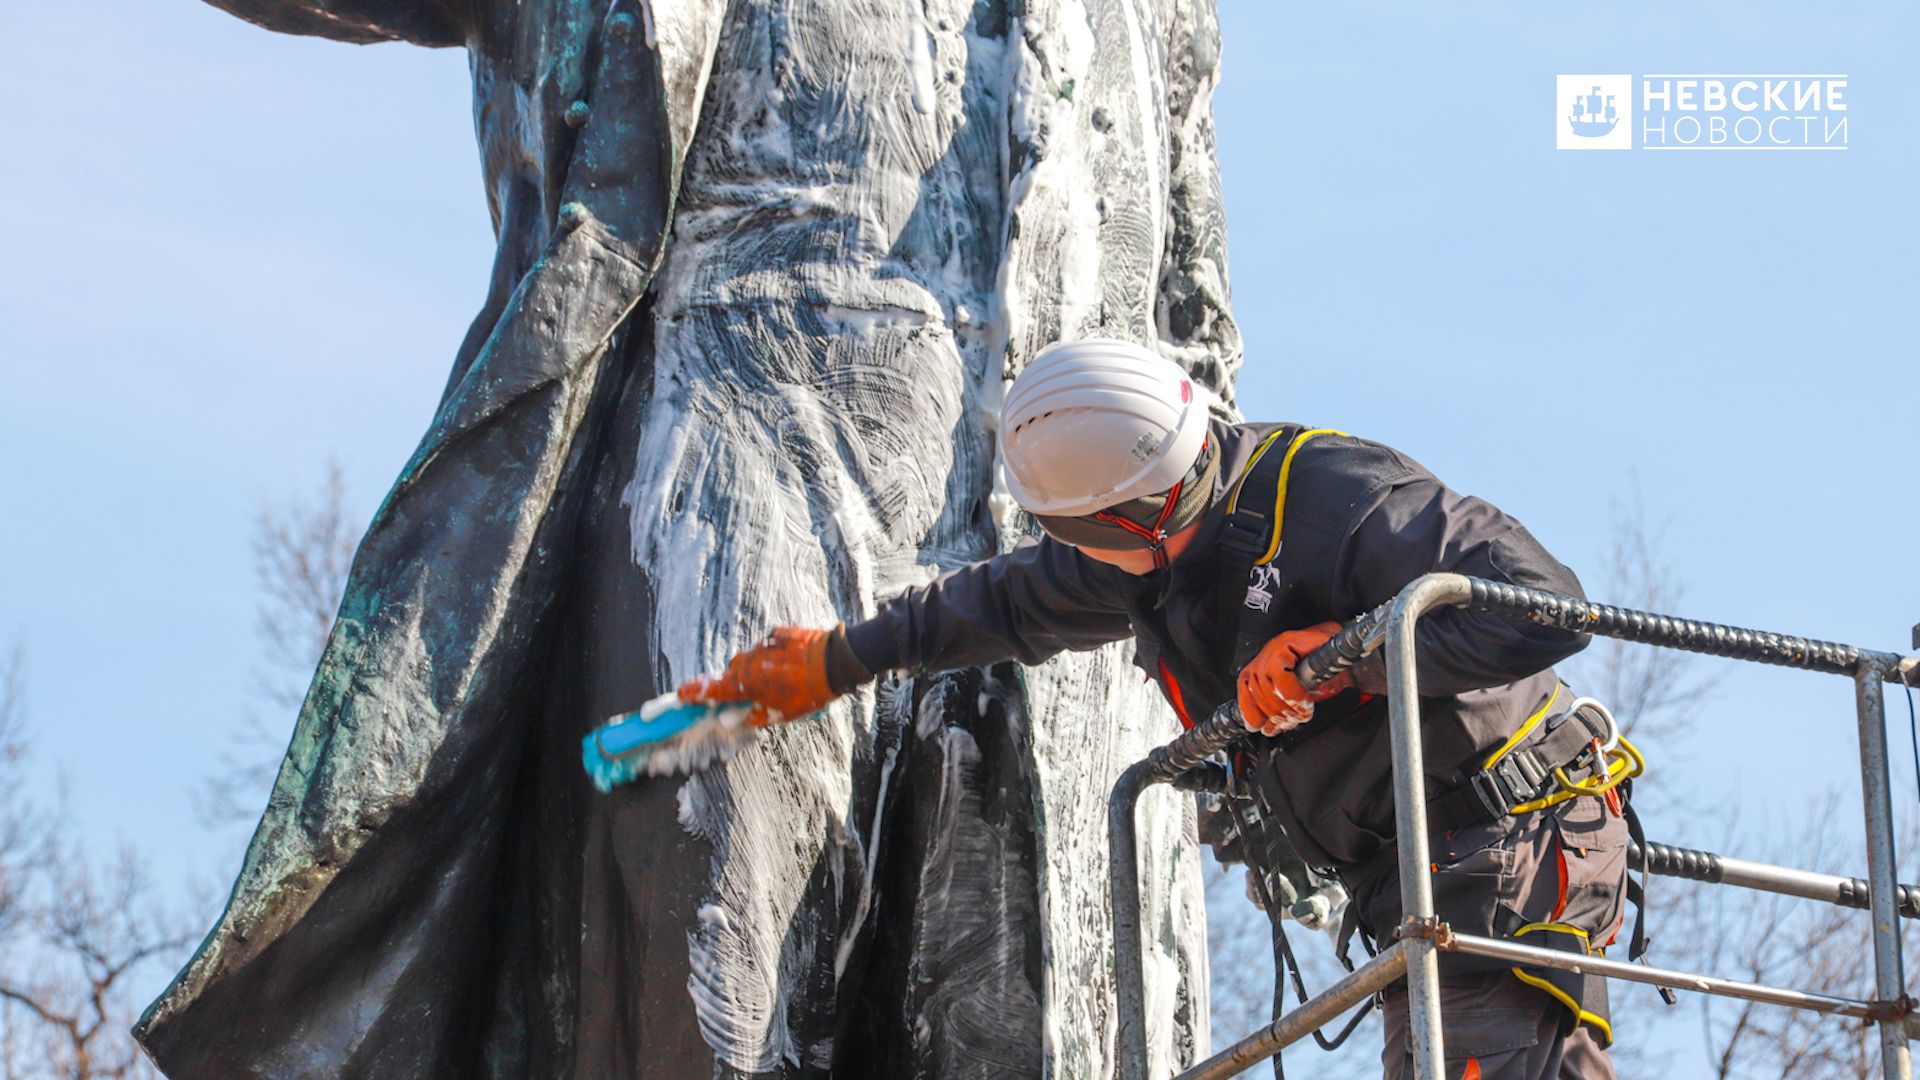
(1262, 583)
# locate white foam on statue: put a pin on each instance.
(835, 319)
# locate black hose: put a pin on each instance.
(1713, 639)
(1198, 743)
(1355, 641)
(1123, 868)
(1344, 649)
(1693, 864)
(1669, 861)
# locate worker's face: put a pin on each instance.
(1138, 561)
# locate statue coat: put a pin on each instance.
(764, 267)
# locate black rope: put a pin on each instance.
(1281, 955)
(1299, 988)
(1913, 727)
(1286, 968)
(1280, 958)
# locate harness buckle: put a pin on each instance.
(1487, 791)
(1521, 782)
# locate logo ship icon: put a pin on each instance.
(1593, 115)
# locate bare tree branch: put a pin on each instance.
(1653, 692)
(70, 935)
(75, 931)
(92, 936)
(302, 551)
(34, 1006)
(19, 849)
(1780, 941)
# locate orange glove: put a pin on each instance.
(784, 675)
(1271, 698)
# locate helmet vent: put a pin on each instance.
(1126, 426)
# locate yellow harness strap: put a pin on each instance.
(1280, 488)
(1564, 998)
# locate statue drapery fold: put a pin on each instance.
(408, 728)
(424, 834)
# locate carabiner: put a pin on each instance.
(1612, 768)
(1604, 713)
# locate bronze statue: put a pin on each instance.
(764, 267)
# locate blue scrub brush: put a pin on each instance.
(664, 737)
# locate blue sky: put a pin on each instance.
(233, 254)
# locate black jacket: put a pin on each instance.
(1361, 520)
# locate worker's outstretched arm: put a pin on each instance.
(1038, 600)
(1034, 602)
(1419, 527)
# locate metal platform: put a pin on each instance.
(1414, 955)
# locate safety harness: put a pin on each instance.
(1580, 752)
(1519, 779)
(1250, 538)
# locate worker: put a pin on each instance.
(1227, 551)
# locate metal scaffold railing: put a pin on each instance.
(1185, 763)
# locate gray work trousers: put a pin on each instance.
(1567, 865)
(1511, 1030)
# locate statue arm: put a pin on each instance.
(435, 23)
(1193, 308)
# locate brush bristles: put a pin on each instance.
(712, 740)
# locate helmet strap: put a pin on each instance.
(1156, 537)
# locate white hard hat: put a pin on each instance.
(1090, 424)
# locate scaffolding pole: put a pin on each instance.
(1410, 812)
(1666, 860)
(1395, 624)
(1534, 956)
(1364, 982)
(1889, 984)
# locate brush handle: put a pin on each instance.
(625, 734)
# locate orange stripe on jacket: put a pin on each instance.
(1172, 687)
